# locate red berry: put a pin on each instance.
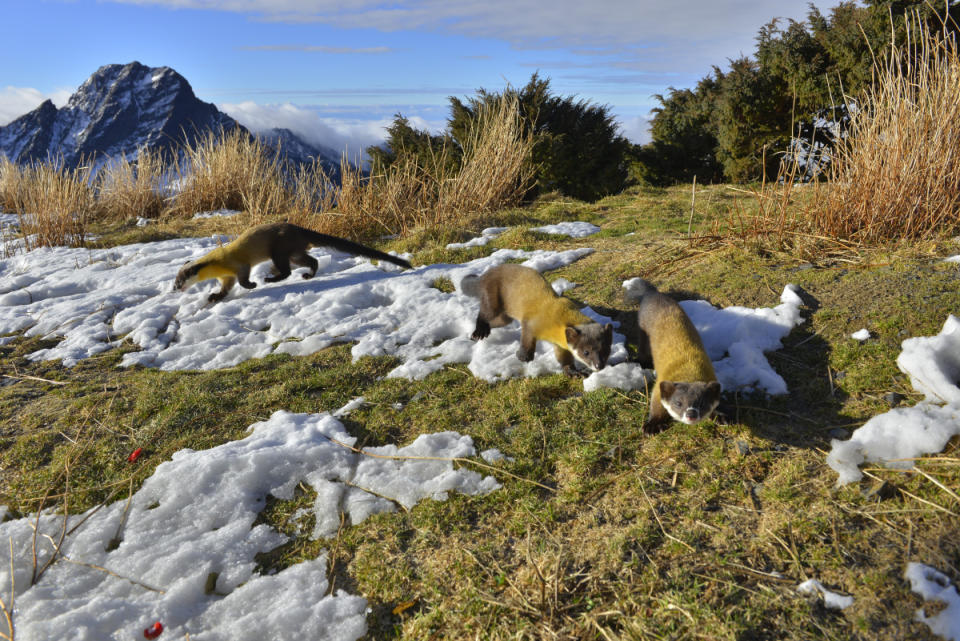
(153, 631)
(133, 457)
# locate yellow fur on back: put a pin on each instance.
(250, 247)
(531, 299)
(677, 351)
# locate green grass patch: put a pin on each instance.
(598, 531)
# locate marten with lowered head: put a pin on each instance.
(283, 243)
(514, 292)
(686, 388)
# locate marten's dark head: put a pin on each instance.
(186, 276)
(590, 343)
(690, 402)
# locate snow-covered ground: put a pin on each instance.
(219, 213)
(125, 566)
(904, 433)
(573, 230)
(482, 240)
(936, 588)
(95, 298)
(736, 338)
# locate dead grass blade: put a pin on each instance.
(897, 175)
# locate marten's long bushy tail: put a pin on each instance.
(323, 240)
(636, 288)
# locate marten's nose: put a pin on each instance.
(692, 414)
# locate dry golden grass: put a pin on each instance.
(132, 189)
(227, 170)
(897, 175)
(11, 177)
(235, 171)
(495, 173)
(55, 204)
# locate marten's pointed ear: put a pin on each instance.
(608, 331)
(572, 334)
(667, 388)
(714, 389)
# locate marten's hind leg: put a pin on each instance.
(281, 266)
(491, 315)
(303, 259)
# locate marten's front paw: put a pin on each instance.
(525, 355)
(655, 425)
(573, 372)
(481, 331)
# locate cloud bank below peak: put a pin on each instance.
(350, 135)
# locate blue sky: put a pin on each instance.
(337, 72)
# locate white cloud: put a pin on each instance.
(352, 135)
(683, 34)
(16, 101)
(636, 130)
(318, 49)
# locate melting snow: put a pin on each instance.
(195, 516)
(933, 364)
(574, 230)
(861, 334)
(485, 237)
(226, 213)
(93, 298)
(935, 586)
(830, 599)
(736, 338)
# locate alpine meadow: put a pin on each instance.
(719, 400)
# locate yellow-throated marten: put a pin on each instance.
(686, 388)
(283, 243)
(513, 292)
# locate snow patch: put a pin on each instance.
(561, 285)
(861, 334)
(933, 585)
(830, 599)
(892, 438)
(482, 240)
(625, 376)
(219, 213)
(573, 230)
(195, 516)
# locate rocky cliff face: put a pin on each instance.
(122, 108)
(119, 109)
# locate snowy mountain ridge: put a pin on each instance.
(122, 108)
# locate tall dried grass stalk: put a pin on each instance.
(897, 175)
(496, 170)
(311, 194)
(222, 170)
(132, 189)
(416, 193)
(55, 205)
(11, 182)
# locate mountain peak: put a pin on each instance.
(117, 110)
